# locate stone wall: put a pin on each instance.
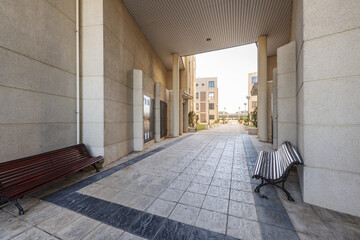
(328, 79)
(125, 49)
(37, 81)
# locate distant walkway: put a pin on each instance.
(197, 186)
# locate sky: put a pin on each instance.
(231, 66)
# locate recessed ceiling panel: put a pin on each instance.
(195, 26)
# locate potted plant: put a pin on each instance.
(253, 120)
(192, 120)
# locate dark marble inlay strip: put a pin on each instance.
(273, 218)
(137, 222)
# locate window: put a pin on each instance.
(254, 79)
(211, 95)
(211, 106)
(197, 106)
(197, 84)
(202, 84)
(211, 84)
(197, 95)
(211, 117)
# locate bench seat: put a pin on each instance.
(23, 176)
(273, 167)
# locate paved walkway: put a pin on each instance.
(194, 187)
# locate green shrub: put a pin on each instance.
(192, 118)
(253, 117)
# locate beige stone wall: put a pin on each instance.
(328, 80)
(125, 48)
(271, 65)
(37, 80)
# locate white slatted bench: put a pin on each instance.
(273, 167)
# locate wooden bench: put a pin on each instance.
(273, 167)
(22, 176)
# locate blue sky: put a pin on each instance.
(231, 66)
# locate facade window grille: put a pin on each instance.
(211, 84)
(211, 106)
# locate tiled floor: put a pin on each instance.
(194, 187)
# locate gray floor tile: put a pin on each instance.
(179, 184)
(161, 208)
(140, 202)
(170, 194)
(243, 210)
(123, 197)
(241, 186)
(216, 204)
(33, 233)
(78, 229)
(219, 192)
(218, 182)
(243, 229)
(185, 214)
(212, 221)
(104, 231)
(202, 179)
(192, 199)
(240, 196)
(198, 188)
(153, 190)
(162, 181)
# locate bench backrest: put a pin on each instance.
(277, 163)
(21, 170)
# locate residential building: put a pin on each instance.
(252, 91)
(206, 100)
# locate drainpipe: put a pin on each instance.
(77, 76)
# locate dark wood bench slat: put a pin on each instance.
(47, 177)
(22, 176)
(39, 166)
(18, 178)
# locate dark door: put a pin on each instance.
(163, 119)
(148, 119)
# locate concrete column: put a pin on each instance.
(157, 112)
(138, 104)
(262, 91)
(275, 111)
(186, 116)
(175, 102)
(181, 115)
(286, 94)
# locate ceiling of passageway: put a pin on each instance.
(183, 26)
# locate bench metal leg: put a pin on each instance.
(286, 192)
(257, 189)
(21, 210)
(94, 165)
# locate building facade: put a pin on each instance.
(252, 91)
(206, 100)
